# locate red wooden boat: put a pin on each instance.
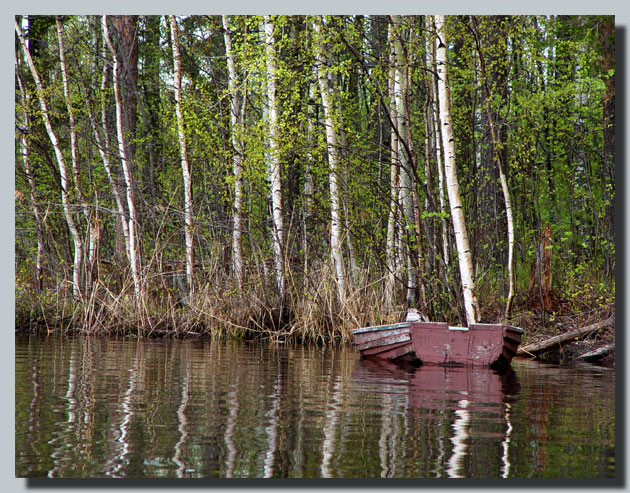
(437, 343)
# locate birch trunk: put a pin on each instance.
(406, 172)
(390, 254)
(122, 223)
(333, 162)
(237, 155)
(92, 227)
(438, 151)
(102, 145)
(273, 164)
(457, 212)
(63, 171)
(353, 271)
(353, 274)
(126, 166)
(309, 187)
(496, 144)
(431, 230)
(25, 152)
(183, 150)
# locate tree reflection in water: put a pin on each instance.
(169, 408)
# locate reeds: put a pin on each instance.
(310, 311)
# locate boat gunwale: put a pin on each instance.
(375, 328)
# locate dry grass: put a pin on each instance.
(310, 311)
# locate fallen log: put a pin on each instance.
(555, 342)
(597, 353)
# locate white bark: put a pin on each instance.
(333, 162)
(504, 184)
(93, 232)
(353, 271)
(134, 259)
(183, 149)
(438, 151)
(309, 187)
(406, 173)
(63, 172)
(25, 152)
(102, 144)
(510, 232)
(273, 164)
(457, 213)
(237, 156)
(390, 253)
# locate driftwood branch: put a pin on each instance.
(557, 341)
(597, 353)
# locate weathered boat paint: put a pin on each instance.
(437, 343)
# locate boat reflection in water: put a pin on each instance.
(468, 408)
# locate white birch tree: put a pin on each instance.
(333, 163)
(77, 289)
(464, 255)
(236, 120)
(26, 161)
(407, 179)
(103, 146)
(183, 150)
(390, 252)
(92, 227)
(432, 43)
(309, 186)
(134, 258)
(273, 160)
(496, 144)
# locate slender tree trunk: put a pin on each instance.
(438, 155)
(390, 253)
(353, 271)
(103, 147)
(457, 212)
(430, 223)
(122, 218)
(183, 149)
(416, 243)
(309, 187)
(441, 187)
(25, 151)
(126, 166)
(497, 145)
(407, 177)
(92, 228)
(273, 164)
(125, 36)
(77, 289)
(333, 162)
(237, 155)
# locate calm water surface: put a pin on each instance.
(104, 407)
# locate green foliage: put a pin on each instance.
(547, 84)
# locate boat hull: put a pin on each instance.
(383, 341)
(436, 343)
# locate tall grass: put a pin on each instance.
(310, 312)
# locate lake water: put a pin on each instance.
(126, 407)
